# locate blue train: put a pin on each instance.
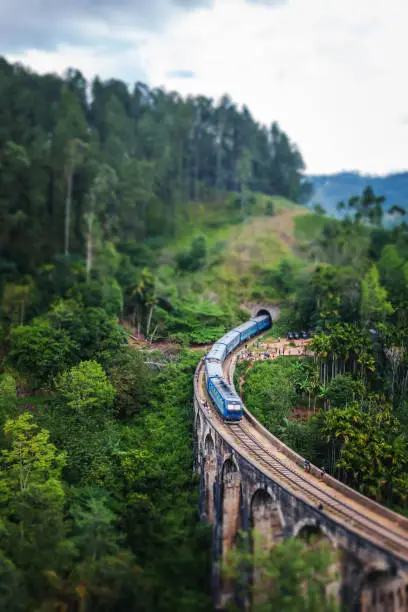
(224, 397)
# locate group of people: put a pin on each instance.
(270, 354)
(306, 467)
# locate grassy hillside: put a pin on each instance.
(239, 249)
(201, 288)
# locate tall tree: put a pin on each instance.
(375, 306)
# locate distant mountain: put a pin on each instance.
(332, 188)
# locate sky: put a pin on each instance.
(331, 72)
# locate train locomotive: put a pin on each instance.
(222, 394)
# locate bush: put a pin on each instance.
(270, 208)
(193, 259)
(39, 351)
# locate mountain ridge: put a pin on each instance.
(329, 189)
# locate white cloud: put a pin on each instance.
(331, 73)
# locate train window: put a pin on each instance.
(233, 407)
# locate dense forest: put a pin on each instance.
(87, 162)
(142, 212)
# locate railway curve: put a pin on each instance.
(372, 538)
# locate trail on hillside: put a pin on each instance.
(262, 240)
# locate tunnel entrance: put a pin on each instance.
(262, 312)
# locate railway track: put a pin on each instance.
(331, 504)
(353, 515)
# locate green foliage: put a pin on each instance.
(268, 393)
(200, 321)
(270, 208)
(8, 395)
(29, 458)
(374, 304)
(132, 497)
(85, 389)
(319, 210)
(373, 451)
(66, 335)
(131, 380)
(32, 500)
(344, 389)
(292, 577)
(309, 227)
(121, 165)
(96, 294)
(193, 259)
(39, 351)
(12, 593)
(283, 278)
(161, 493)
(95, 334)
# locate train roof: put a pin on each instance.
(228, 337)
(217, 351)
(245, 326)
(225, 390)
(260, 318)
(213, 368)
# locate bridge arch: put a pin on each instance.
(309, 527)
(266, 518)
(267, 523)
(209, 446)
(314, 533)
(198, 424)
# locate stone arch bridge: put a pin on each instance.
(249, 479)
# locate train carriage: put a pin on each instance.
(226, 400)
(262, 322)
(222, 394)
(213, 369)
(231, 341)
(217, 352)
(246, 330)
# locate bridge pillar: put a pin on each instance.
(210, 473)
(230, 522)
(267, 525)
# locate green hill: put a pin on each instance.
(220, 261)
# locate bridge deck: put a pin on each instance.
(384, 528)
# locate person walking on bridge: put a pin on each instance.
(306, 466)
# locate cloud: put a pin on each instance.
(45, 24)
(181, 74)
(268, 2)
(330, 72)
